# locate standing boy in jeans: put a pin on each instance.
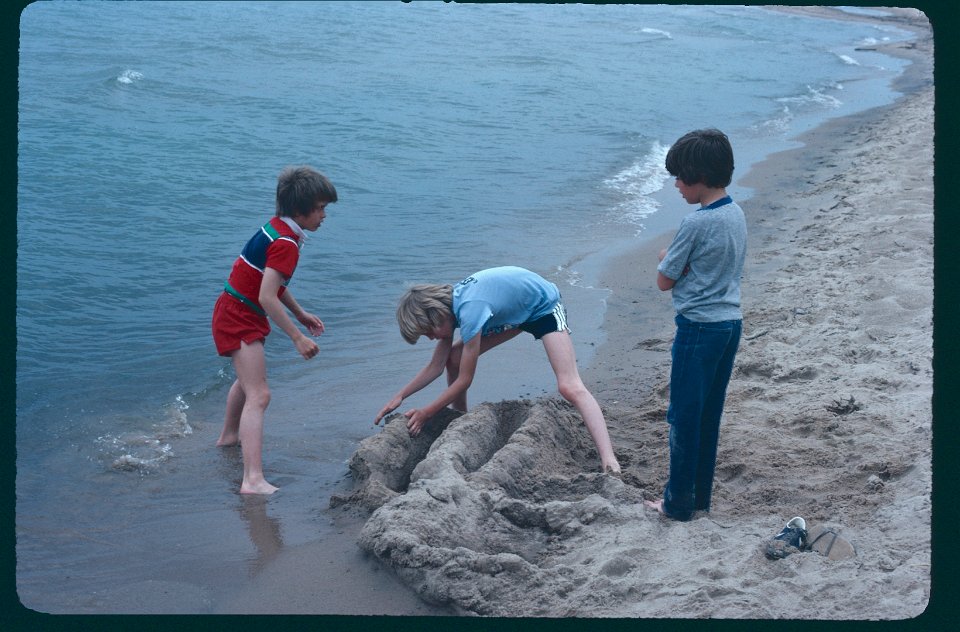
(702, 266)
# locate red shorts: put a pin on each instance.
(234, 322)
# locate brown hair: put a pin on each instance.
(300, 189)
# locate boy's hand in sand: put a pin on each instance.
(391, 406)
(416, 418)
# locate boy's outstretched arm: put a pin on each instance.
(272, 280)
(416, 417)
(425, 376)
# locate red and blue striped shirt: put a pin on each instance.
(276, 245)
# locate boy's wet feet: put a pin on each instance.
(226, 441)
(262, 487)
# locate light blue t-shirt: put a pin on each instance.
(498, 299)
(713, 242)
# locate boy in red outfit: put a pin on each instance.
(256, 290)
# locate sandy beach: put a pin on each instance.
(502, 512)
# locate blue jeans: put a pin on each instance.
(702, 355)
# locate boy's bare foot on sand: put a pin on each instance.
(655, 504)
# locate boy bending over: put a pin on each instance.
(491, 307)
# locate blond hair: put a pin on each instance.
(423, 307)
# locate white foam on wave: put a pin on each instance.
(142, 451)
(779, 124)
(129, 76)
(638, 182)
(815, 97)
(131, 463)
(652, 31)
(847, 59)
(567, 275)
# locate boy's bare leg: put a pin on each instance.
(230, 435)
(453, 361)
(250, 365)
(559, 347)
(453, 372)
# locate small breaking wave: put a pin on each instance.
(777, 125)
(814, 99)
(129, 76)
(652, 31)
(567, 275)
(638, 182)
(143, 452)
(848, 60)
(131, 463)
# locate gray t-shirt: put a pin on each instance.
(498, 299)
(713, 242)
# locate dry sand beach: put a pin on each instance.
(828, 417)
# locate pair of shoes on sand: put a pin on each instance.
(796, 537)
(829, 543)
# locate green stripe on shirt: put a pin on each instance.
(229, 289)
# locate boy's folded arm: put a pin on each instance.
(664, 282)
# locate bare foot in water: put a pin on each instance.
(613, 469)
(228, 440)
(263, 487)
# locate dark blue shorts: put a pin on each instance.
(554, 321)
